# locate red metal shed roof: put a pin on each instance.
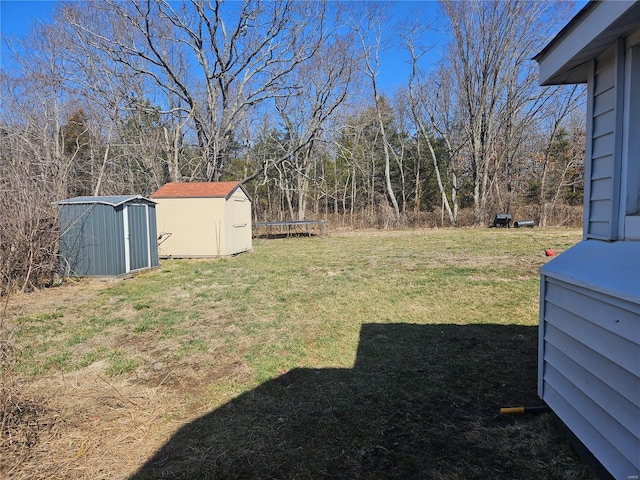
(196, 190)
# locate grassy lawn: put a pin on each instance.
(356, 355)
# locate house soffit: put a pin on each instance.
(594, 29)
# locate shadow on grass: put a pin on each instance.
(422, 401)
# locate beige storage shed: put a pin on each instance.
(203, 219)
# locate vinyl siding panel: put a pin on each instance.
(599, 213)
(603, 147)
(596, 440)
(617, 348)
(606, 73)
(600, 229)
(601, 167)
(600, 366)
(596, 308)
(604, 102)
(600, 210)
(602, 123)
(600, 191)
(596, 407)
(590, 365)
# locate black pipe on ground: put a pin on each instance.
(523, 223)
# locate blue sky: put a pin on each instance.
(17, 16)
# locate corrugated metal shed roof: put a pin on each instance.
(114, 200)
(197, 190)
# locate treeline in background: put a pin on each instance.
(114, 98)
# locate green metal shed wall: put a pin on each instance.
(92, 238)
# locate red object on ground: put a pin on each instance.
(549, 253)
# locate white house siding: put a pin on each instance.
(589, 351)
(589, 371)
(599, 190)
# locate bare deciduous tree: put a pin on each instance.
(431, 110)
(369, 29)
(494, 77)
(555, 164)
(322, 85)
(238, 56)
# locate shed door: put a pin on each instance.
(138, 237)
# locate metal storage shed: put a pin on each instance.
(589, 351)
(107, 236)
(203, 219)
